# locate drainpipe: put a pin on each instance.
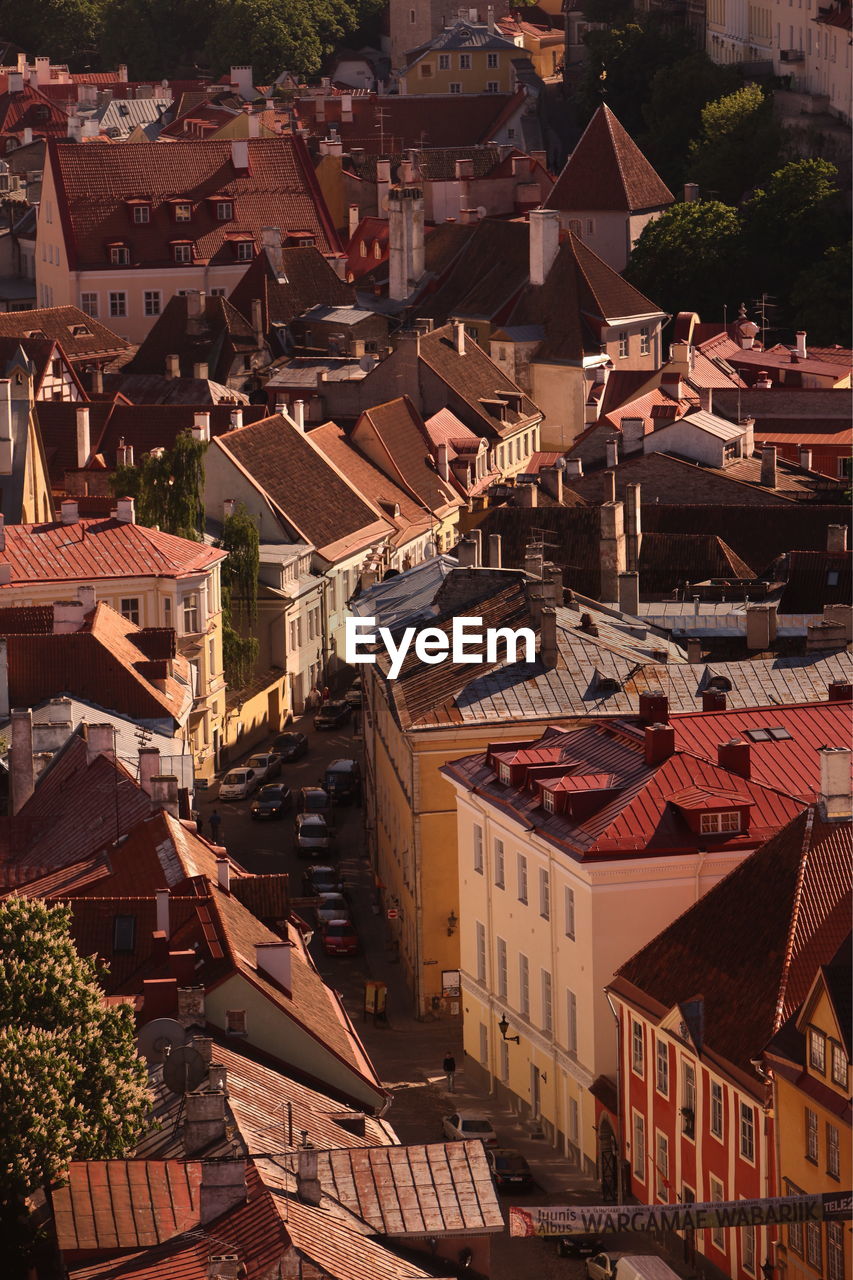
(620, 1196)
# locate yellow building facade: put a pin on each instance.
(463, 58)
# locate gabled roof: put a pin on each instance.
(389, 123)
(474, 380)
(802, 879)
(80, 337)
(463, 36)
(311, 494)
(96, 549)
(307, 278)
(607, 172)
(125, 1204)
(393, 435)
(219, 335)
(30, 109)
(93, 184)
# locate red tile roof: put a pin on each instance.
(608, 172)
(93, 185)
(307, 279)
(97, 549)
(82, 339)
(219, 336)
(30, 109)
(411, 121)
(394, 436)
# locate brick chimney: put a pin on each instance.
(612, 549)
(204, 1119)
(769, 476)
(308, 1186)
(694, 649)
(714, 699)
(835, 798)
(659, 743)
(734, 755)
(654, 707)
(761, 623)
(164, 793)
(22, 769)
(100, 741)
(551, 480)
(544, 242)
(840, 691)
(149, 767)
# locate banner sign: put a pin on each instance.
(561, 1220)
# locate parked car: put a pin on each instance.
(579, 1246)
(291, 746)
(343, 781)
(272, 801)
(510, 1170)
(625, 1266)
(355, 693)
(469, 1124)
(312, 835)
(331, 906)
(313, 800)
(339, 938)
(332, 715)
(238, 784)
(266, 764)
(321, 879)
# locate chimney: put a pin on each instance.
(612, 549)
(495, 557)
(204, 1121)
(298, 414)
(548, 649)
(126, 511)
(201, 426)
(235, 421)
(383, 183)
(706, 399)
(694, 650)
(443, 462)
(612, 447)
(353, 214)
(159, 995)
(405, 240)
(827, 633)
(223, 1183)
(163, 921)
(466, 553)
(734, 756)
(805, 458)
(240, 155)
(84, 443)
(763, 382)
(633, 528)
(768, 466)
(839, 691)
(659, 743)
(69, 511)
(526, 495)
(22, 768)
(840, 615)
(714, 700)
(100, 741)
(691, 192)
(15, 84)
(835, 800)
(836, 538)
(271, 242)
(173, 366)
(164, 793)
(459, 337)
(307, 1182)
(608, 486)
(629, 594)
(533, 563)
(476, 536)
(121, 71)
(551, 480)
(223, 874)
(68, 616)
(149, 767)
(653, 707)
(761, 624)
(544, 235)
(802, 351)
(42, 66)
(190, 998)
(124, 454)
(201, 371)
(273, 959)
(574, 467)
(258, 321)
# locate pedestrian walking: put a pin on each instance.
(326, 693)
(215, 821)
(449, 1069)
(199, 824)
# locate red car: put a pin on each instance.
(339, 938)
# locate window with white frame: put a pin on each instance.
(455, 86)
(716, 1109)
(747, 1236)
(711, 824)
(141, 213)
(638, 1152)
(481, 951)
(89, 304)
(571, 1022)
(491, 60)
(119, 255)
(522, 878)
(191, 614)
(812, 1139)
(662, 1068)
(718, 1234)
(444, 62)
(645, 341)
(547, 801)
(569, 909)
(545, 893)
(813, 1249)
(502, 971)
(661, 1165)
(151, 302)
(839, 1065)
(130, 609)
(547, 1003)
(183, 212)
(478, 848)
(817, 1050)
(833, 1151)
(493, 86)
(504, 774)
(637, 1048)
(500, 864)
(834, 1251)
(524, 985)
(244, 250)
(623, 344)
(182, 252)
(465, 62)
(118, 305)
(747, 1131)
(224, 210)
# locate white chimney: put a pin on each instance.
(495, 554)
(271, 242)
(149, 767)
(242, 78)
(802, 351)
(163, 923)
(354, 220)
(274, 960)
(835, 797)
(100, 741)
(629, 593)
(42, 66)
(612, 447)
(836, 538)
(544, 242)
(298, 414)
(805, 457)
(201, 371)
(84, 443)
(67, 616)
(164, 793)
(223, 874)
(443, 462)
(459, 337)
(383, 183)
(15, 83)
(201, 427)
(405, 240)
(574, 467)
(126, 511)
(236, 419)
(86, 596)
(173, 366)
(240, 154)
(6, 437)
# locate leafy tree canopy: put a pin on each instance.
(690, 258)
(673, 109)
(821, 297)
(66, 29)
(239, 596)
(739, 144)
(167, 485)
(154, 37)
(792, 222)
(621, 62)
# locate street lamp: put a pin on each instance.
(452, 922)
(503, 1027)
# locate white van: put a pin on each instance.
(628, 1266)
(238, 784)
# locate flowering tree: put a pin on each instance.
(71, 1084)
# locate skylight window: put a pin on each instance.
(772, 734)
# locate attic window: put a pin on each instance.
(244, 250)
(141, 213)
(183, 211)
(711, 824)
(119, 255)
(124, 933)
(235, 1022)
(35, 333)
(773, 734)
(548, 801)
(504, 774)
(224, 210)
(362, 249)
(182, 250)
(80, 331)
(832, 578)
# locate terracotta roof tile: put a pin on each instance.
(307, 279)
(218, 337)
(410, 121)
(607, 171)
(398, 445)
(473, 378)
(80, 337)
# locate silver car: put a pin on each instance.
(331, 906)
(312, 834)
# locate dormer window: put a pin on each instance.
(119, 255)
(182, 251)
(141, 213)
(504, 774)
(224, 210)
(715, 824)
(548, 801)
(244, 250)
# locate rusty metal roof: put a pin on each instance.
(122, 1204)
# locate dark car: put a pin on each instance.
(291, 746)
(332, 715)
(339, 938)
(510, 1170)
(343, 781)
(272, 801)
(321, 879)
(579, 1246)
(314, 800)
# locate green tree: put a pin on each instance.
(690, 259)
(621, 63)
(821, 300)
(275, 35)
(739, 144)
(71, 1084)
(791, 223)
(239, 596)
(167, 485)
(68, 30)
(156, 37)
(691, 83)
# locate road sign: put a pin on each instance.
(392, 913)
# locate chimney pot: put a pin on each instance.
(299, 414)
(70, 513)
(805, 458)
(654, 707)
(802, 350)
(659, 743)
(768, 466)
(466, 553)
(714, 699)
(835, 798)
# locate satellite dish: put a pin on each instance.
(481, 211)
(429, 551)
(159, 1037)
(184, 1069)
